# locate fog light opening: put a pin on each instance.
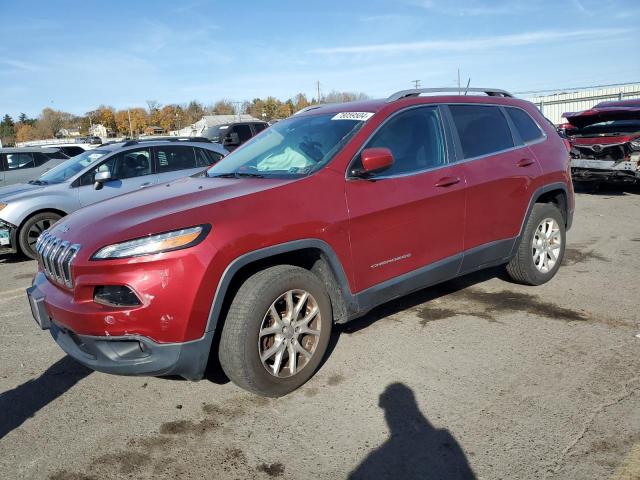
(116, 296)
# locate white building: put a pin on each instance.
(553, 105)
(99, 130)
(196, 129)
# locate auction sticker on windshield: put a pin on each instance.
(362, 116)
(4, 237)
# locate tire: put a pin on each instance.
(251, 313)
(31, 229)
(539, 244)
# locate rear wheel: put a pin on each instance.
(541, 248)
(277, 330)
(32, 229)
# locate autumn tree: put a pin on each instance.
(300, 101)
(223, 107)
(7, 130)
(138, 118)
(193, 112)
(51, 121)
(25, 132)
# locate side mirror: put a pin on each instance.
(100, 178)
(374, 160)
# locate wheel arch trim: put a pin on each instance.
(271, 251)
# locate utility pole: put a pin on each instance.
(237, 106)
(130, 128)
(416, 84)
(318, 87)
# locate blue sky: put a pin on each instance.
(75, 55)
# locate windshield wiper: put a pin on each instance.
(238, 175)
(38, 182)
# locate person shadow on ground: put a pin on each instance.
(415, 448)
(24, 401)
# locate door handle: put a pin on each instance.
(525, 162)
(146, 184)
(447, 181)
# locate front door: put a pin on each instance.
(411, 215)
(130, 170)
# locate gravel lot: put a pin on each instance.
(477, 378)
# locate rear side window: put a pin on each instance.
(17, 161)
(259, 127)
(526, 127)
(206, 157)
(172, 158)
(482, 129)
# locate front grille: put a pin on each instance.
(601, 152)
(55, 257)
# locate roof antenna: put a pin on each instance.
(467, 89)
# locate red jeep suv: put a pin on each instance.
(314, 221)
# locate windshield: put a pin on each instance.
(69, 168)
(294, 147)
(610, 127)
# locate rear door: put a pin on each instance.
(499, 170)
(130, 170)
(411, 215)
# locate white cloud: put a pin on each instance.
(19, 65)
(479, 43)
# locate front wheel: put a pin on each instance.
(277, 331)
(541, 248)
(32, 229)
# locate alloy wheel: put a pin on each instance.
(289, 333)
(546, 245)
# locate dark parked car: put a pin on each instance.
(316, 221)
(232, 135)
(19, 165)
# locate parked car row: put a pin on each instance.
(27, 209)
(315, 221)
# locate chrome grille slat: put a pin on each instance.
(55, 257)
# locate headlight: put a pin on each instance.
(2, 205)
(162, 242)
(635, 145)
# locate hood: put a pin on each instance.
(605, 111)
(185, 202)
(18, 191)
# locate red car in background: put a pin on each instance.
(605, 142)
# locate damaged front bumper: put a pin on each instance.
(583, 169)
(8, 237)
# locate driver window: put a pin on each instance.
(415, 138)
(129, 164)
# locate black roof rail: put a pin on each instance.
(415, 92)
(167, 139)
